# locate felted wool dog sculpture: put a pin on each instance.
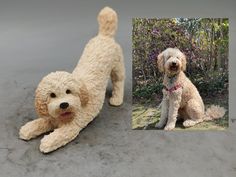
(180, 97)
(67, 102)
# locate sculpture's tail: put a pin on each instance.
(107, 19)
(214, 112)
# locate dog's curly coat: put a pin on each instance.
(67, 102)
(180, 96)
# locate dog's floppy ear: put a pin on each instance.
(41, 103)
(160, 62)
(84, 95)
(184, 62)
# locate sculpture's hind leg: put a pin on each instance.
(118, 79)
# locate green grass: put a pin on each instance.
(146, 115)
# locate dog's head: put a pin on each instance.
(60, 96)
(171, 61)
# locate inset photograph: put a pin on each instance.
(180, 73)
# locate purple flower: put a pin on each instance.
(152, 56)
(155, 31)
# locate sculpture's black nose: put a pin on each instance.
(64, 105)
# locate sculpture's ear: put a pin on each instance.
(41, 103)
(184, 62)
(160, 62)
(83, 94)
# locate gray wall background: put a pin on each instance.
(41, 36)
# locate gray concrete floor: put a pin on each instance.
(38, 37)
(108, 147)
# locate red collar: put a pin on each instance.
(172, 89)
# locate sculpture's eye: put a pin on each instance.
(68, 91)
(53, 95)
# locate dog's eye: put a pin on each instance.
(68, 91)
(53, 95)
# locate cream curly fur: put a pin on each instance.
(67, 102)
(184, 101)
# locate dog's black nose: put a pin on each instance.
(64, 105)
(174, 63)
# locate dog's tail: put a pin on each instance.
(214, 112)
(107, 19)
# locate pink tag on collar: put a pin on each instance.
(176, 87)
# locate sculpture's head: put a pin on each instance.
(59, 95)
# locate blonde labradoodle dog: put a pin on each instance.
(67, 102)
(180, 97)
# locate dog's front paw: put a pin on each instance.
(115, 101)
(169, 127)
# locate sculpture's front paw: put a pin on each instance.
(115, 101)
(169, 126)
(46, 145)
(25, 132)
